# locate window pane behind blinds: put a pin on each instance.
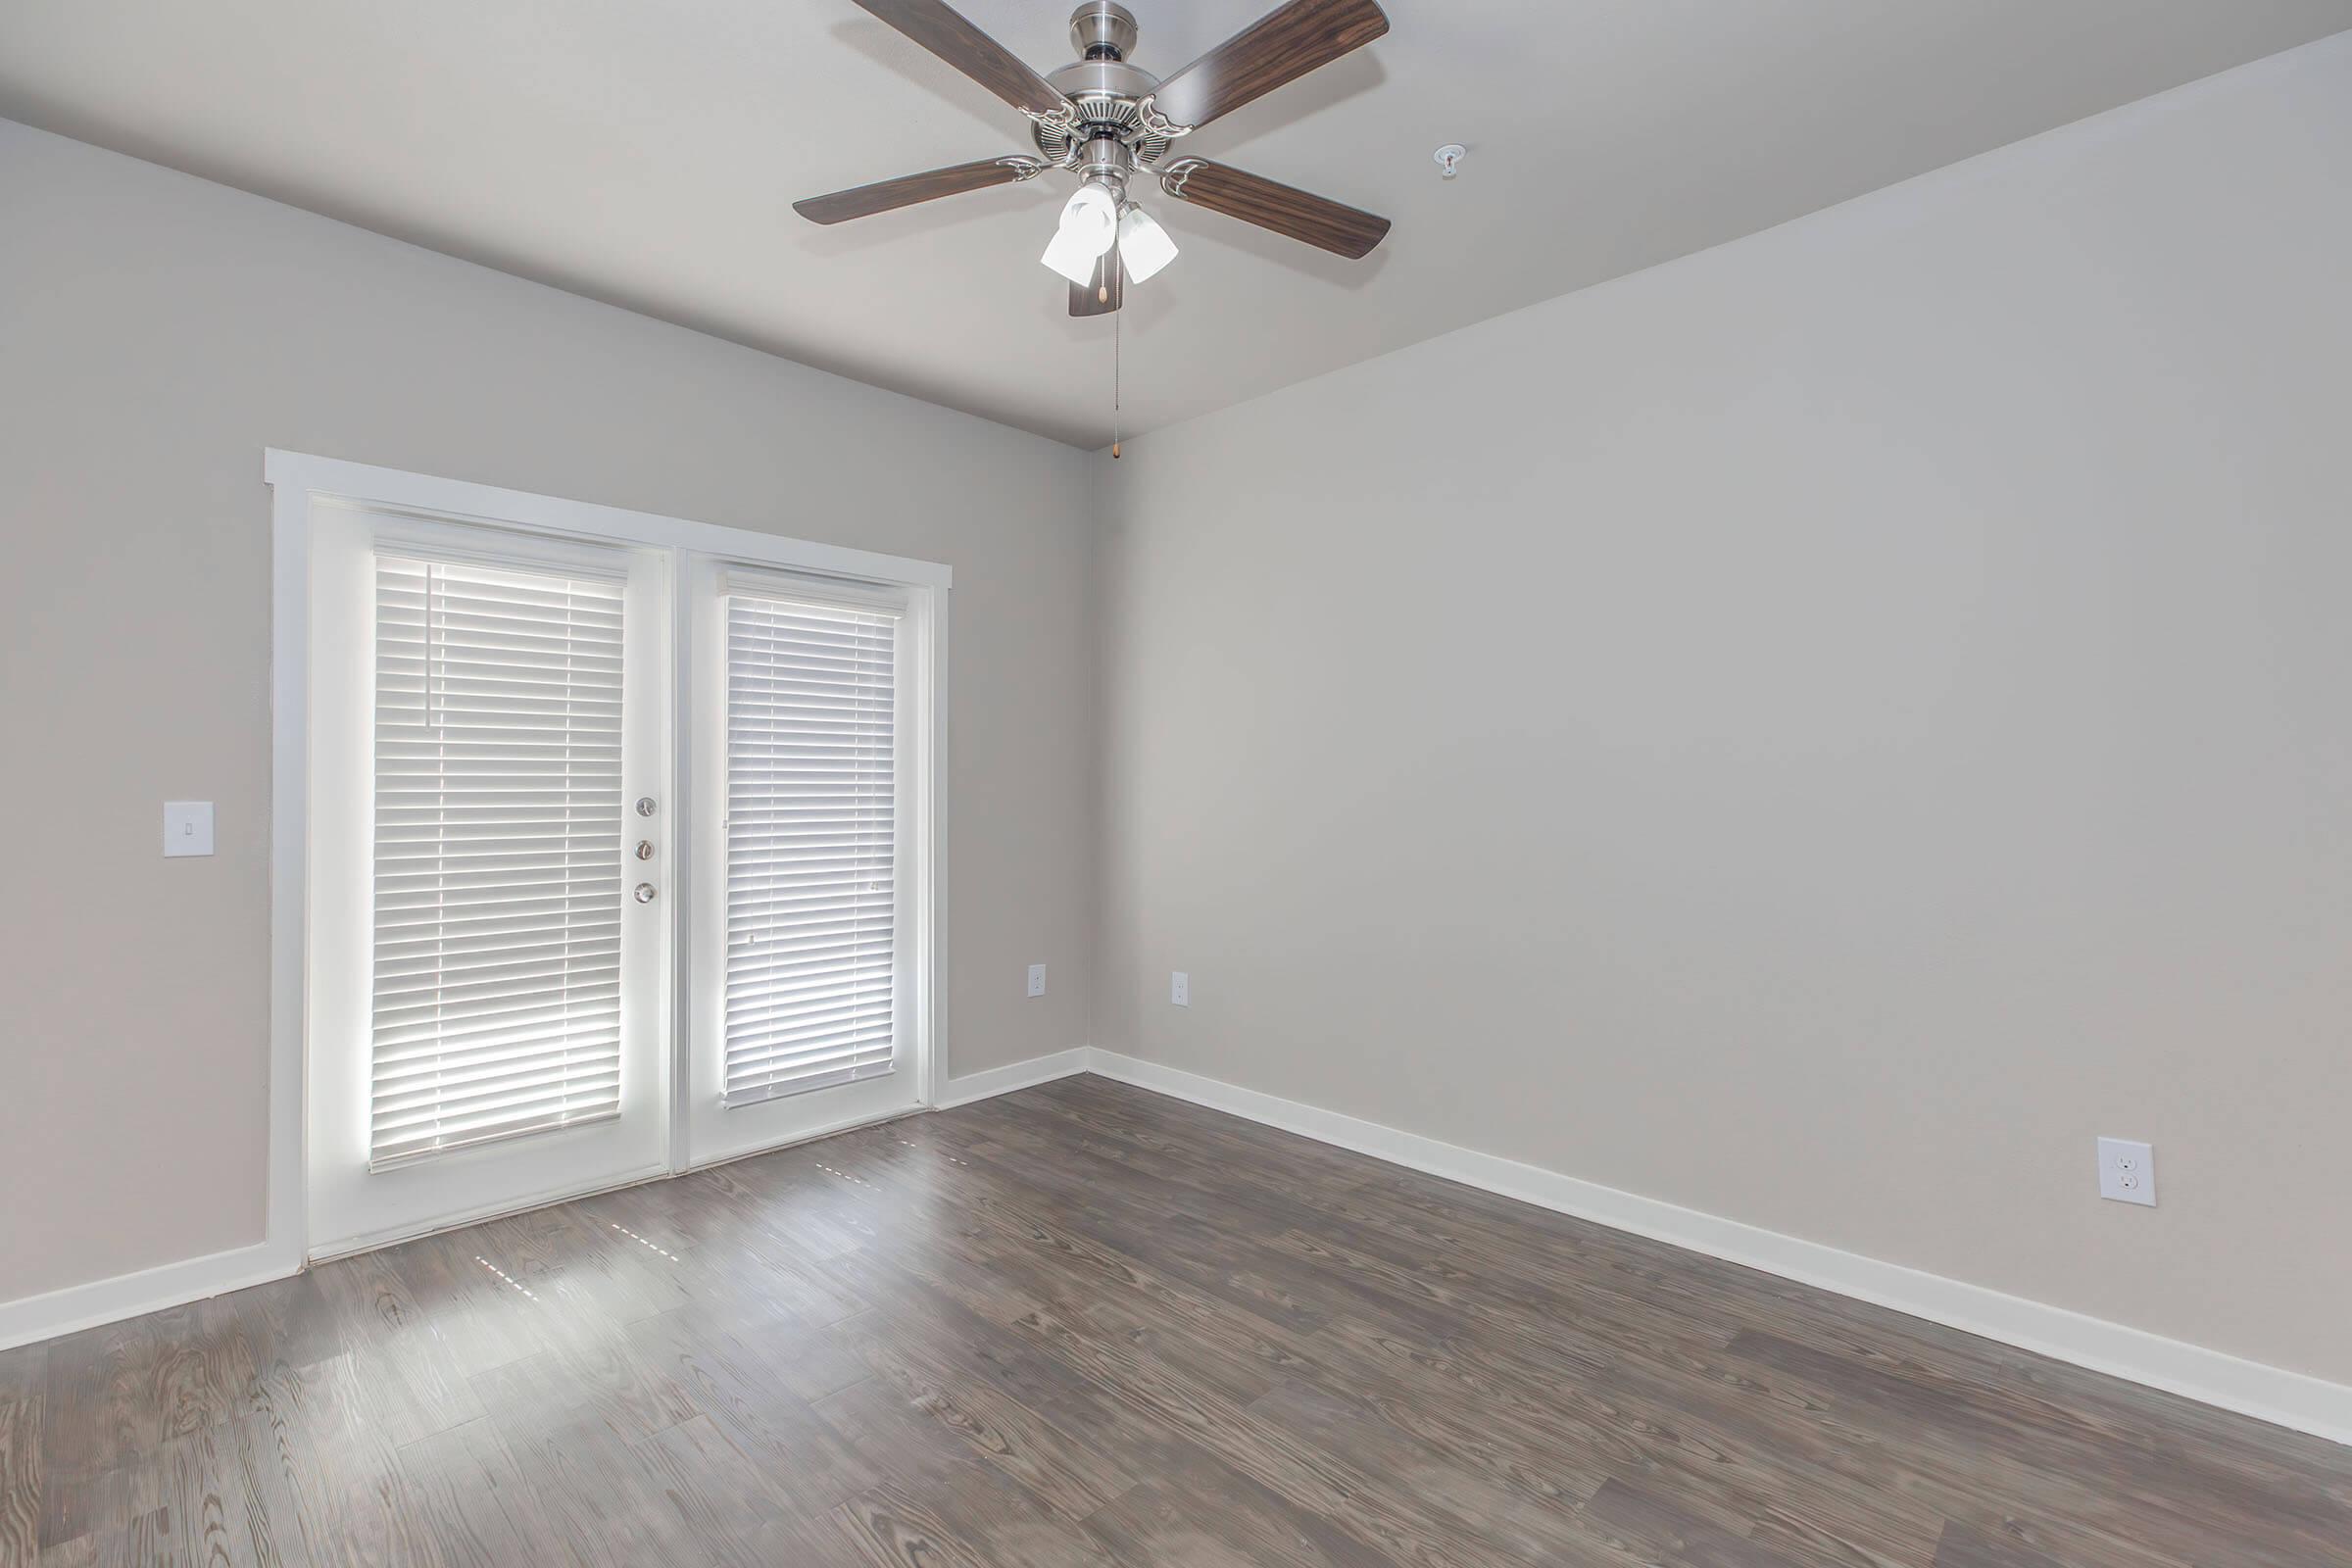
(812, 878)
(498, 868)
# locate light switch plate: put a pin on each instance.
(2127, 1171)
(1180, 988)
(1037, 979)
(187, 827)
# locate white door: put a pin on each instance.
(800, 949)
(490, 727)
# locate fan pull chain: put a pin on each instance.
(1115, 318)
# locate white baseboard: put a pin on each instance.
(150, 1290)
(1018, 1075)
(2268, 1393)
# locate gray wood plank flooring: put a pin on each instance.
(1088, 1325)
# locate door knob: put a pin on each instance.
(644, 893)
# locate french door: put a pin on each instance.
(615, 858)
(804, 867)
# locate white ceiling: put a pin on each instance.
(647, 152)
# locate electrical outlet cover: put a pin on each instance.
(2127, 1171)
(1037, 979)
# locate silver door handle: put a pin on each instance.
(644, 893)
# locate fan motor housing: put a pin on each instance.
(1103, 86)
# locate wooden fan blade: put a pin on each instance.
(1105, 292)
(907, 190)
(1286, 210)
(943, 31)
(1282, 45)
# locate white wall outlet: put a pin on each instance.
(1179, 989)
(187, 827)
(1037, 979)
(2127, 1171)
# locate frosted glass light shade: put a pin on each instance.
(1071, 256)
(1092, 215)
(1144, 245)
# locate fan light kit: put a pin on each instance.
(1089, 227)
(1105, 120)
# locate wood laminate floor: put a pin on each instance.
(1085, 1324)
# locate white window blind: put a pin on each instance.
(498, 858)
(811, 844)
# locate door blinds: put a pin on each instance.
(811, 844)
(498, 859)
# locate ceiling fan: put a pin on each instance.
(1106, 119)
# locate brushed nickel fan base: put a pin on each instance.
(1106, 92)
(1108, 97)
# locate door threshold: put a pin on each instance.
(378, 1240)
(640, 1178)
(816, 1136)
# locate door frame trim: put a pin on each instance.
(295, 479)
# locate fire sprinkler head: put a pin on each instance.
(1450, 159)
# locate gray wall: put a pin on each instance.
(1815, 732)
(156, 332)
